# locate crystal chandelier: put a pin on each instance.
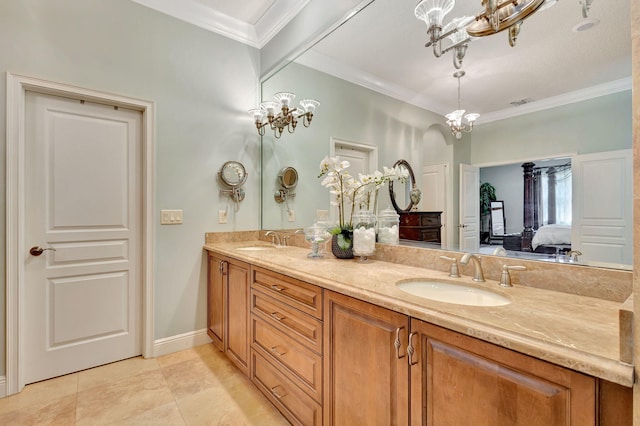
(286, 117)
(454, 119)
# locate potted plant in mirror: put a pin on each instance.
(487, 195)
(349, 192)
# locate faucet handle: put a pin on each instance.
(453, 272)
(505, 278)
(573, 255)
(285, 240)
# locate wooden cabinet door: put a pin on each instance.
(215, 300)
(237, 314)
(459, 380)
(365, 373)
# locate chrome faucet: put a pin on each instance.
(505, 278)
(572, 255)
(478, 276)
(274, 237)
(499, 251)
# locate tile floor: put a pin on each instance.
(197, 386)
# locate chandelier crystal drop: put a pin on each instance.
(455, 118)
(280, 114)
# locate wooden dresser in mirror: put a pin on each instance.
(421, 226)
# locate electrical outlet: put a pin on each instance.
(222, 216)
(170, 217)
(292, 216)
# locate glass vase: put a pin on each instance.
(364, 234)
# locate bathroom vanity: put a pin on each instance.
(331, 341)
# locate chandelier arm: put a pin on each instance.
(306, 121)
(441, 37)
(457, 63)
(453, 46)
(437, 48)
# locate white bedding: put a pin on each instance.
(551, 235)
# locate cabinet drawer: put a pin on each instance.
(298, 407)
(306, 329)
(303, 296)
(430, 220)
(409, 219)
(431, 235)
(300, 364)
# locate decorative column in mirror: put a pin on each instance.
(527, 232)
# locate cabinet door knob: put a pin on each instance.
(397, 342)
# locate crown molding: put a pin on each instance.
(555, 101)
(196, 13)
(276, 18)
(353, 75)
(332, 67)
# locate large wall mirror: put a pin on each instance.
(409, 124)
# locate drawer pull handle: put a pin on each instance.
(277, 287)
(411, 350)
(276, 393)
(276, 352)
(397, 343)
(276, 316)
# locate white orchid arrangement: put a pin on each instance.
(348, 190)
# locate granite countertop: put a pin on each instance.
(578, 332)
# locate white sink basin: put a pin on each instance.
(452, 293)
(254, 248)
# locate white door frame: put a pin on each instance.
(17, 86)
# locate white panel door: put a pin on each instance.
(434, 195)
(602, 227)
(362, 159)
(82, 204)
(469, 208)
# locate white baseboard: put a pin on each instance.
(3, 386)
(180, 342)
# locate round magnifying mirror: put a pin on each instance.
(233, 173)
(288, 177)
(404, 197)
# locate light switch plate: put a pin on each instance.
(292, 216)
(222, 216)
(170, 217)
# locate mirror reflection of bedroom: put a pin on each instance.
(564, 210)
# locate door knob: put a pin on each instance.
(37, 251)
